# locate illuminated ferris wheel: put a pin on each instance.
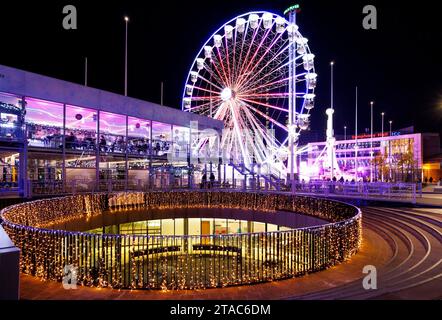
(256, 74)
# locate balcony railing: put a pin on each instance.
(370, 191)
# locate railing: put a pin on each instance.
(179, 262)
(376, 190)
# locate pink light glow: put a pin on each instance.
(40, 112)
(112, 123)
(87, 122)
(143, 131)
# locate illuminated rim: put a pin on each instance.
(119, 261)
(241, 76)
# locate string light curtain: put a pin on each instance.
(180, 262)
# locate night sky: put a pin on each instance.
(399, 66)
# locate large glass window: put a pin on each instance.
(45, 171)
(81, 128)
(138, 136)
(44, 121)
(81, 141)
(112, 171)
(9, 170)
(112, 133)
(181, 140)
(161, 138)
(221, 226)
(11, 117)
(138, 173)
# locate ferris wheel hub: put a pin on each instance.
(227, 94)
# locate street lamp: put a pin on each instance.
(126, 19)
(383, 114)
(389, 152)
(332, 63)
(330, 131)
(371, 142)
(382, 171)
(345, 149)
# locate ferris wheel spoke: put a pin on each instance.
(243, 40)
(203, 98)
(216, 76)
(251, 61)
(219, 73)
(265, 95)
(266, 117)
(264, 55)
(266, 85)
(253, 80)
(260, 130)
(237, 126)
(241, 69)
(201, 107)
(210, 82)
(260, 136)
(249, 145)
(221, 112)
(216, 93)
(222, 68)
(228, 61)
(264, 104)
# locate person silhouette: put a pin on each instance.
(212, 180)
(203, 181)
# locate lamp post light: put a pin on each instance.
(331, 142)
(371, 142)
(126, 19)
(345, 149)
(389, 152)
(356, 136)
(383, 114)
(332, 63)
(382, 168)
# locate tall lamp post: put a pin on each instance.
(330, 131)
(383, 114)
(382, 169)
(126, 19)
(356, 136)
(389, 151)
(345, 154)
(371, 142)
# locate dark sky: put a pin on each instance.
(399, 65)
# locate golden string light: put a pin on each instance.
(179, 262)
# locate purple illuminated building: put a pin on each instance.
(61, 137)
(399, 157)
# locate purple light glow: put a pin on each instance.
(86, 123)
(142, 131)
(48, 113)
(112, 123)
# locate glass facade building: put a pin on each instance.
(397, 158)
(59, 137)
